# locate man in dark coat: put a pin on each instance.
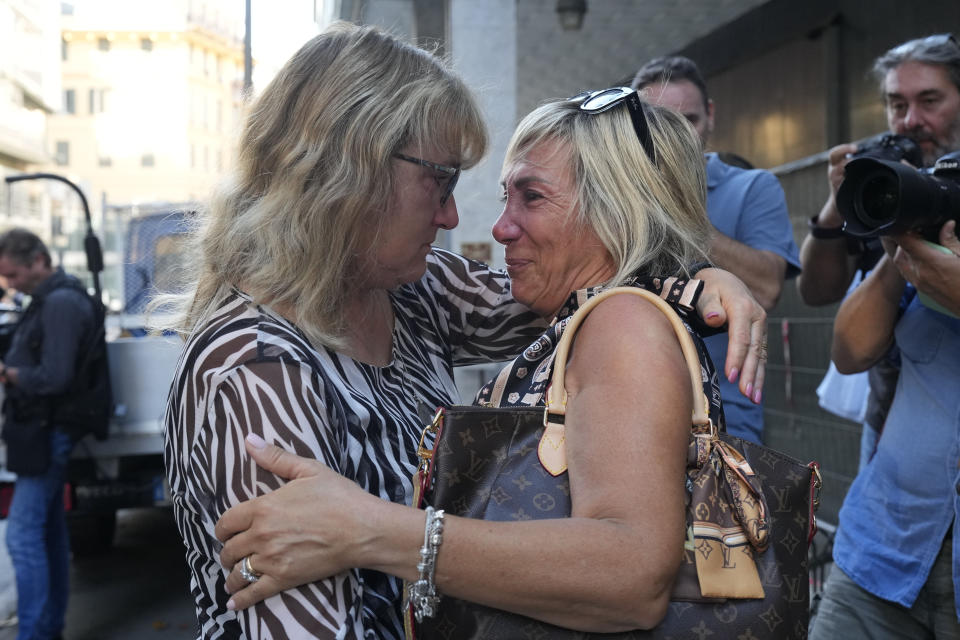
(38, 374)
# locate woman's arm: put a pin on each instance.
(487, 325)
(727, 300)
(609, 567)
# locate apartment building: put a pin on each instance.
(152, 94)
(29, 91)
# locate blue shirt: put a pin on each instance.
(901, 505)
(748, 206)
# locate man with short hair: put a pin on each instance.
(920, 84)
(896, 573)
(38, 372)
(752, 238)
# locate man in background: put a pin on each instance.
(39, 372)
(753, 237)
(895, 571)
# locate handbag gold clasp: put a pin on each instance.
(817, 485)
(426, 454)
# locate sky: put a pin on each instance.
(279, 27)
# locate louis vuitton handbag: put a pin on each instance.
(750, 513)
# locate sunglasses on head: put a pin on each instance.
(452, 172)
(594, 102)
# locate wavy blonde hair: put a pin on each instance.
(313, 178)
(651, 217)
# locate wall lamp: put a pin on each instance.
(570, 13)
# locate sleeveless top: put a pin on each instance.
(524, 381)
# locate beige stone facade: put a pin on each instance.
(152, 94)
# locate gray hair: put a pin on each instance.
(941, 49)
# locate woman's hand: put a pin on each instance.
(726, 300)
(307, 530)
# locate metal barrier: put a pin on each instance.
(799, 339)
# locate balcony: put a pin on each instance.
(22, 134)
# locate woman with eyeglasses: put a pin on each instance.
(322, 320)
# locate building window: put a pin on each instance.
(97, 100)
(146, 44)
(62, 156)
(105, 161)
(70, 101)
(147, 160)
(64, 49)
(103, 44)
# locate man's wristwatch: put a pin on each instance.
(824, 233)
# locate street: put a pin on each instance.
(138, 589)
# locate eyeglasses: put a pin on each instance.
(594, 102)
(452, 172)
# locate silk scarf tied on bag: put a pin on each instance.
(509, 464)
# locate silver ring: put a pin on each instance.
(247, 572)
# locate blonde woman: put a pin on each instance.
(322, 319)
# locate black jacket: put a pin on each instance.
(54, 333)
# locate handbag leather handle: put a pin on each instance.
(701, 404)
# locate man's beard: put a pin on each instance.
(942, 146)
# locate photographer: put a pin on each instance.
(894, 574)
(920, 84)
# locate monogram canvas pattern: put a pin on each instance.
(486, 467)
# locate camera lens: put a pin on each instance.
(878, 199)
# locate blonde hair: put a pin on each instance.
(651, 217)
(314, 179)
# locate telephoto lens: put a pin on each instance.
(882, 197)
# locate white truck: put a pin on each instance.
(126, 469)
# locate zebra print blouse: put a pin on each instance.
(360, 420)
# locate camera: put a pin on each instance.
(880, 195)
(892, 147)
